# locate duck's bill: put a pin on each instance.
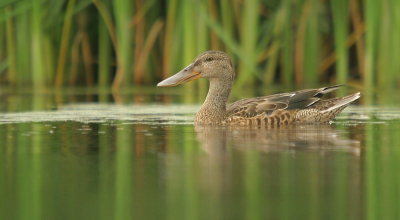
(185, 75)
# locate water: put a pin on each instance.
(74, 156)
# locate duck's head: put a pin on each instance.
(210, 65)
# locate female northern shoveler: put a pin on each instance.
(298, 107)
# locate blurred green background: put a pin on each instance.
(122, 43)
(119, 168)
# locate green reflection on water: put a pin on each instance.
(149, 162)
(382, 176)
(117, 171)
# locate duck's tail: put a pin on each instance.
(338, 103)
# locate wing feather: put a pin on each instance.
(252, 107)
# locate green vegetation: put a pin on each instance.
(126, 42)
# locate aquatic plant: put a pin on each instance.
(125, 43)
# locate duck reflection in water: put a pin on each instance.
(216, 140)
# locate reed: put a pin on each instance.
(38, 74)
(287, 50)
(227, 20)
(394, 8)
(272, 52)
(3, 61)
(291, 42)
(104, 55)
(12, 66)
(64, 44)
(299, 43)
(23, 48)
(372, 12)
(248, 39)
(311, 45)
(203, 44)
(168, 42)
(388, 45)
(340, 9)
(188, 33)
(123, 13)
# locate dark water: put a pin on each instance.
(99, 157)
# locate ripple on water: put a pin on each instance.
(171, 114)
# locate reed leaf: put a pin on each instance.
(248, 39)
(23, 47)
(312, 46)
(64, 44)
(287, 50)
(274, 48)
(228, 38)
(230, 42)
(11, 48)
(388, 46)
(144, 55)
(50, 56)
(189, 42)
(299, 44)
(87, 59)
(203, 44)
(2, 41)
(340, 9)
(3, 57)
(168, 38)
(372, 19)
(227, 20)
(359, 28)
(107, 18)
(23, 7)
(123, 14)
(395, 36)
(105, 57)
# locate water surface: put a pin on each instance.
(75, 157)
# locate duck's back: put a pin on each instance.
(300, 107)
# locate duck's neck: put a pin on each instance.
(213, 110)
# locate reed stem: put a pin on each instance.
(340, 9)
(248, 40)
(23, 47)
(104, 55)
(372, 17)
(11, 51)
(64, 44)
(123, 14)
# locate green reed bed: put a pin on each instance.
(132, 42)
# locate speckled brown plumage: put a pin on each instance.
(300, 107)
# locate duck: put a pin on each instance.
(299, 107)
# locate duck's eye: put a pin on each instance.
(208, 59)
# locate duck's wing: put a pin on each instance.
(252, 107)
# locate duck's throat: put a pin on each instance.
(213, 110)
